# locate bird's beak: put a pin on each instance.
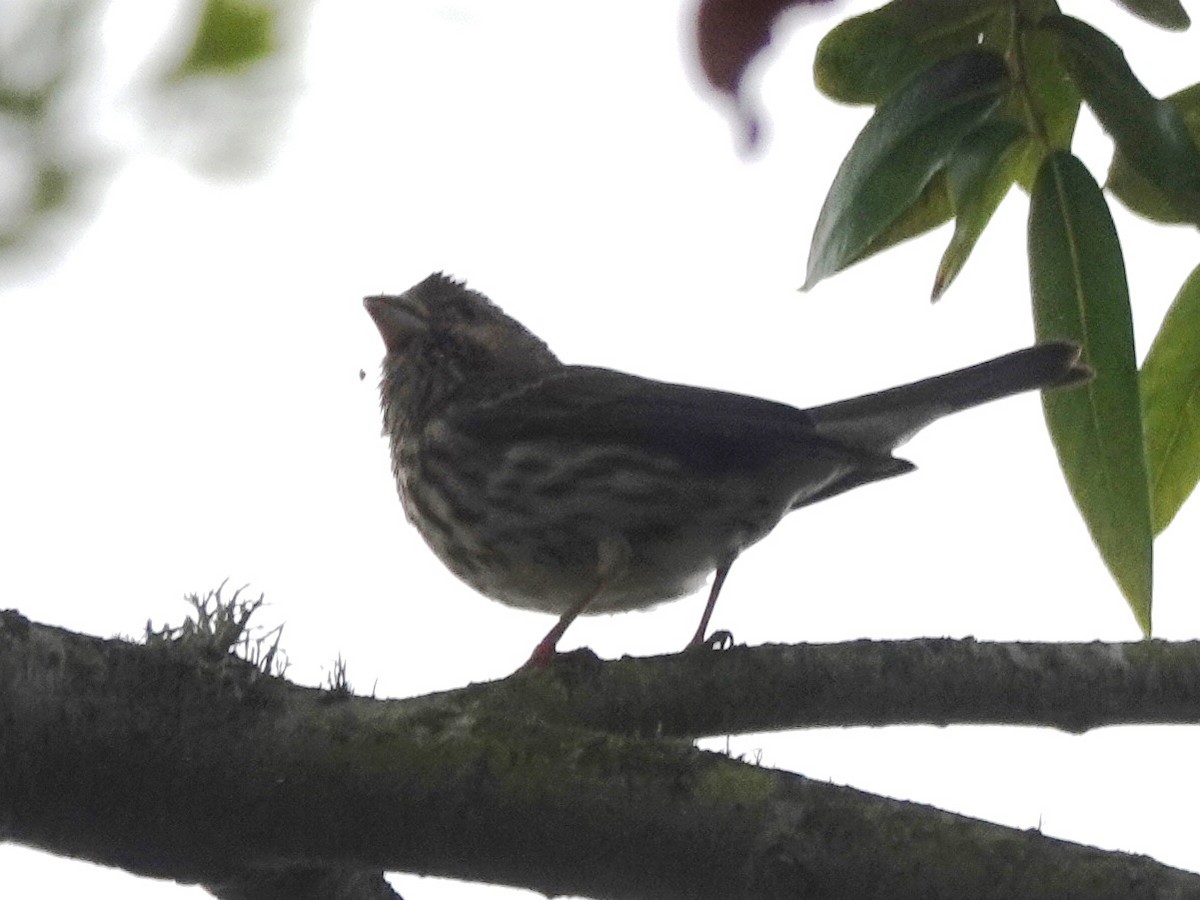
(396, 321)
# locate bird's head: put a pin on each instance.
(445, 341)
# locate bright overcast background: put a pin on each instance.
(182, 405)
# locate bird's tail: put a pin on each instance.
(883, 421)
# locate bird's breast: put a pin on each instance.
(542, 524)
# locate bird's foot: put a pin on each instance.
(718, 640)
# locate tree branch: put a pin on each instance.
(1072, 687)
(170, 764)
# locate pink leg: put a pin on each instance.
(613, 554)
(545, 650)
(718, 580)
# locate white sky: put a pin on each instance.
(182, 399)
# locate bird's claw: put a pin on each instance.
(718, 640)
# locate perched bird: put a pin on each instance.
(573, 489)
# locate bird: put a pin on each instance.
(581, 490)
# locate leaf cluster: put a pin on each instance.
(972, 98)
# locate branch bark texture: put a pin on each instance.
(202, 770)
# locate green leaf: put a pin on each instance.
(904, 144)
(979, 175)
(1050, 100)
(1139, 194)
(866, 58)
(1150, 133)
(928, 211)
(1080, 294)
(230, 36)
(1170, 382)
(1165, 13)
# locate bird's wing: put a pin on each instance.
(710, 431)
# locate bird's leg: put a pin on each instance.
(613, 554)
(718, 580)
(545, 650)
